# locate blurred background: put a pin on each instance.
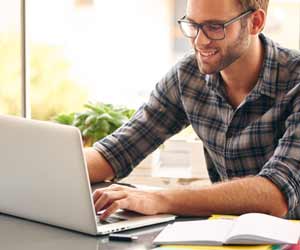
(109, 51)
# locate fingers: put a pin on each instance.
(119, 197)
(107, 198)
(113, 208)
(104, 197)
(100, 191)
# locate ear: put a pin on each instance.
(257, 21)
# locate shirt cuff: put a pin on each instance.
(120, 171)
(286, 178)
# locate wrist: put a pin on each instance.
(162, 201)
(98, 167)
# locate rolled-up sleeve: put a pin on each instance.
(283, 168)
(157, 120)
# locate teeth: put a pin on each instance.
(208, 53)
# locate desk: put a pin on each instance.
(19, 234)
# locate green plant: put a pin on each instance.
(97, 121)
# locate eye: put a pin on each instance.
(214, 27)
(191, 25)
(188, 28)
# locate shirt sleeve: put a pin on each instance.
(154, 122)
(283, 168)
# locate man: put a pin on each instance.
(240, 93)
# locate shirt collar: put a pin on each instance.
(267, 83)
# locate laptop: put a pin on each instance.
(44, 178)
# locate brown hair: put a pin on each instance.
(254, 4)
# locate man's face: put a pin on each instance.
(214, 56)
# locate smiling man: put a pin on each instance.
(240, 92)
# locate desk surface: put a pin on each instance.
(16, 233)
(22, 234)
(19, 234)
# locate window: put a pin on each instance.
(10, 76)
(107, 51)
(283, 22)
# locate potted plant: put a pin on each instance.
(97, 121)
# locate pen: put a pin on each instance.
(122, 237)
(124, 184)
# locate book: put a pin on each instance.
(247, 229)
(227, 247)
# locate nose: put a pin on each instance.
(201, 39)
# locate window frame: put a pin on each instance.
(25, 66)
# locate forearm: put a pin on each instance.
(250, 194)
(99, 169)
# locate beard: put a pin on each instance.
(226, 56)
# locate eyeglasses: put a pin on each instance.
(213, 31)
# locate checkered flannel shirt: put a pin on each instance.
(261, 137)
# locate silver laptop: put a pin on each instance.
(44, 178)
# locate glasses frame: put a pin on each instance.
(200, 25)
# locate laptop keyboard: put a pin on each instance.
(119, 216)
(111, 219)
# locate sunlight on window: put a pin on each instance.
(106, 51)
(116, 50)
(10, 77)
(283, 22)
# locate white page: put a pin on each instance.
(204, 232)
(255, 227)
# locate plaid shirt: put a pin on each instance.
(260, 137)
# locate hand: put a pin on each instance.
(117, 197)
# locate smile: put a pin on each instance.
(208, 53)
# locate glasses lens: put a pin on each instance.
(188, 29)
(214, 31)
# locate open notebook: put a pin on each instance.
(248, 229)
